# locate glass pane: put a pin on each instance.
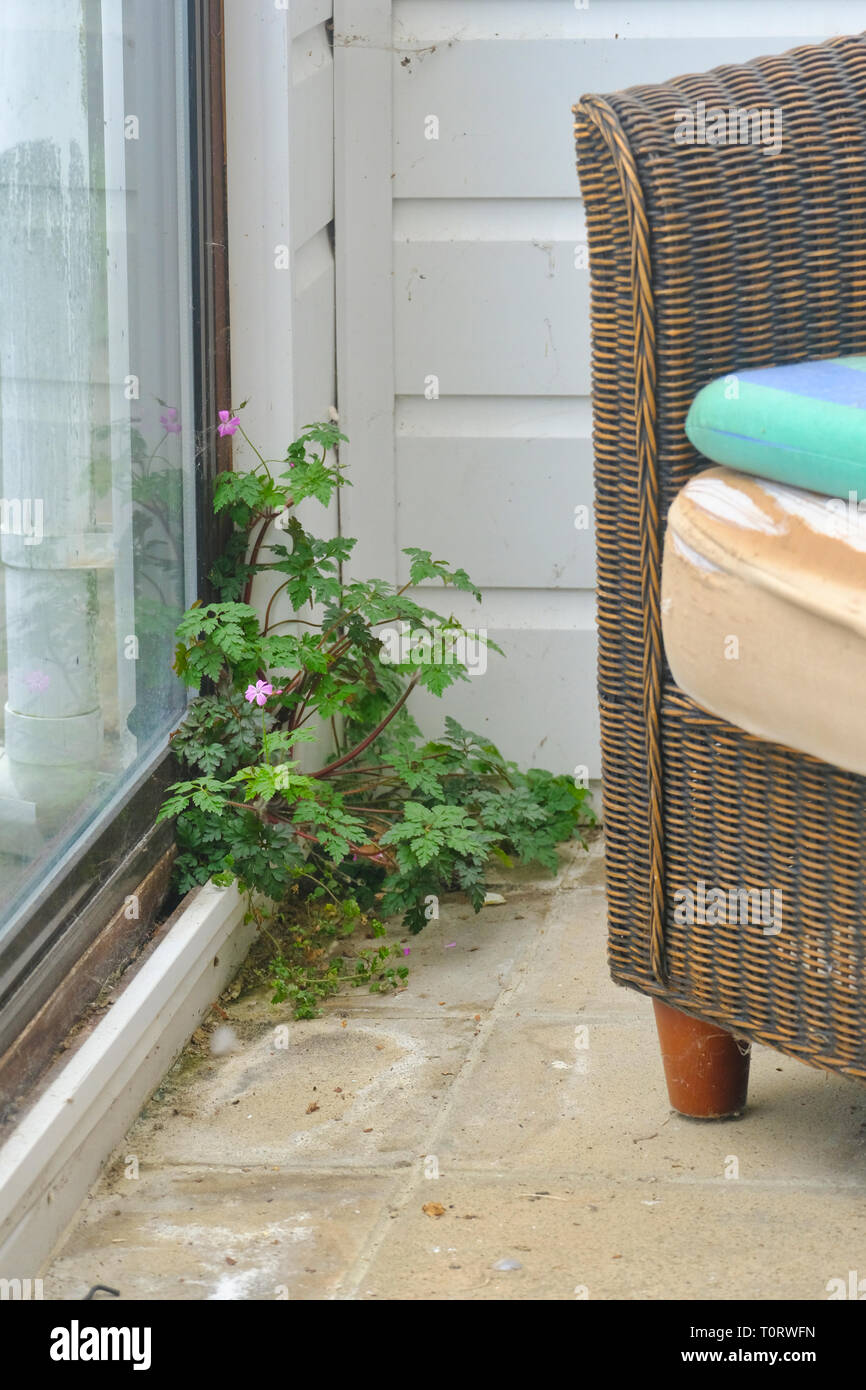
(96, 437)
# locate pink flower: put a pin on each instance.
(169, 420)
(258, 693)
(228, 425)
(406, 950)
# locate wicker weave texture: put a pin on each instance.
(705, 259)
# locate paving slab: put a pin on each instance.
(462, 960)
(222, 1234)
(601, 1108)
(614, 1241)
(352, 1091)
(568, 972)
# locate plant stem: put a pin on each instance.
(278, 590)
(365, 743)
(255, 450)
(254, 555)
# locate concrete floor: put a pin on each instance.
(499, 1130)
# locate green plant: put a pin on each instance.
(303, 966)
(389, 821)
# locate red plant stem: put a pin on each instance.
(299, 710)
(368, 767)
(246, 806)
(279, 590)
(289, 690)
(297, 679)
(336, 625)
(339, 649)
(389, 767)
(281, 622)
(359, 849)
(257, 545)
(365, 743)
(359, 791)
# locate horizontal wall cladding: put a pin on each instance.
(502, 508)
(537, 699)
(504, 108)
(428, 21)
(475, 431)
(534, 702)
(490, 317)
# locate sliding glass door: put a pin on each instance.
(97, 422)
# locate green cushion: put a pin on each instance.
(804, 424)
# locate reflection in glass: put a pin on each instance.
(96, 438)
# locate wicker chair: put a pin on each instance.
(706, 258)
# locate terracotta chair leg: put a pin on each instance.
(706, 1068)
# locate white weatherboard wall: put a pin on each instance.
(456, 260)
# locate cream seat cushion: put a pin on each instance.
(764, 611)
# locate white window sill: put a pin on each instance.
(60, 1145)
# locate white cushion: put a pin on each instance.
(764, 611)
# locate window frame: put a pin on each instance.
(111, 859)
